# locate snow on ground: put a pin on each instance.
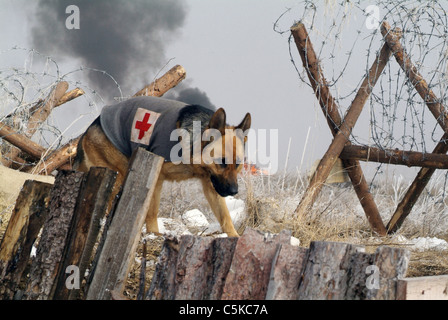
(423, 243)
(428, 243)
(196, 223)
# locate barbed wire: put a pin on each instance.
(347, 44)
(23, 86)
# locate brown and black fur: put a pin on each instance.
(218, 180)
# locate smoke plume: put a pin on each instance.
(126, 39)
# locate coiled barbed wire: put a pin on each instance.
(346, 46)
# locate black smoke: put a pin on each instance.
(191, 96)
(126, 39)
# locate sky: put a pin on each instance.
(233, 57)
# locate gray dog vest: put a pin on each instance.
(142, 122)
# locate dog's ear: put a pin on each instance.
(218, 120)
(245, 124)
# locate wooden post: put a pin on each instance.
(330, 109)
(22, 230)
(50, 250)
(163, 284)
(419, 83)
(326, 272)
(400, 157)
(249, 273)
(287, 269)
(69, 96)
(83, 233)
(20, 141)
(437, 109)
(359, 272)
(192, 268)
(391, 264)
(124, 232)
(39, 116)
(57, 158)
(160, 86)
(406, 204)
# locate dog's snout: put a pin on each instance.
(233, 190)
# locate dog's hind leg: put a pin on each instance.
(219, 208)
(151, 216)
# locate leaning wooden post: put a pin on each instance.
(160, 86)
(90, 209)
(22, 230)
(124, 232)
(50, 251)
(437, 109)
(21, 141)
(39, 116)
(57, 158)
(340, 129)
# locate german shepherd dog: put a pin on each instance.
(106, 144)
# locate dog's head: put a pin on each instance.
(223, 156)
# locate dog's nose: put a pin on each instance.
(232, 190)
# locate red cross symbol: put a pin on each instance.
(143, 125)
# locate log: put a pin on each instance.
(56, 159)
(141, 286)
(100, 246)
(22, 142)
(160, 86)
(22, 230)
(248, 276)
(39, 116)
(192, 267)
(414, 191)
(287, 268)
(202, 264)
(50, 251)
(326, 272)
(124, 232)
(334, 120)
(423, 288)
(341, 138)
(163, 284)
(398, 157)
(391, 264)
(223, 250)
(437, 109)
(358, 276)
(11, 183)
(69, 96)
(90, 209)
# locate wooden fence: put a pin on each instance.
(255, 266)
(69, 214)
(261, 266)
